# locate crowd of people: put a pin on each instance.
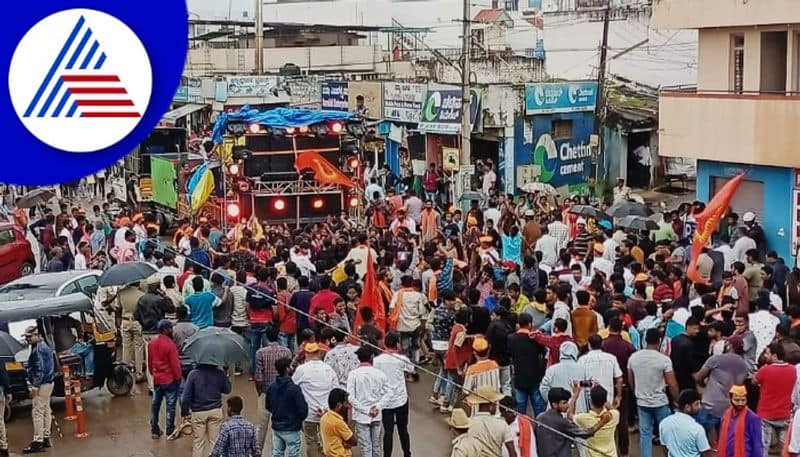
(546, 330)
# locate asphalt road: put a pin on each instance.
(119, 427)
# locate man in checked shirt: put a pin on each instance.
(265, 374)
(237, 437)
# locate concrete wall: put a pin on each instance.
(697, 14)
(778, 184)
(242, 61)
(714, 60)
(755, 129)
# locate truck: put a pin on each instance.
(156, 164)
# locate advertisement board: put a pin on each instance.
(402, 102)
(441, 111)
(333, 95)
(549, 98)
(251, 86)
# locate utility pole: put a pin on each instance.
(466, 125)
(600, 111)
(259, 36)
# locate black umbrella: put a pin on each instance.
(36, 197)
(123, 274)
(9, 346)
(629, 209)
(588, 211)
(637, 223)
(216, 346)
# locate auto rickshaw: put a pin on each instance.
(59, 318)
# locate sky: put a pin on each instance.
(218, 9)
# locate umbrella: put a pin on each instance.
(9, 346)
(588, 211)
(629, 209)
(123, 274)
(36, 197)
(216, 346)
(540, 187)
(640, 223)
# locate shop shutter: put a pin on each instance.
(749, 197)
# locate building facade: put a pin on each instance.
(743, 114)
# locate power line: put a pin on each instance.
(364, 342)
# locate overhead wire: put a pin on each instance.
(417, 366)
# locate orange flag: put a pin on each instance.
(371, 297)
(324, 171)
(708, 222)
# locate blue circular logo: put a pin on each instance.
(87, 81)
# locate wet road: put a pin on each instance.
(119, 427)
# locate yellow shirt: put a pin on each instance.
(334, 432)
(521, 303)
(602, 443)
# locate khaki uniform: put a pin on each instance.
(3, 437)
(465, 446)
(132, 339)
(205, 430)
(41, 412)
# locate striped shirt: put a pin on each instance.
(482, 373)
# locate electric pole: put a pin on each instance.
(600, 111)
(466, 125)
(259, 36)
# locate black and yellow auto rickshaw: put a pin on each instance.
(59, 319)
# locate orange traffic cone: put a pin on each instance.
(80, 431)
(69, 409)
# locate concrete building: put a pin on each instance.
(744, 112)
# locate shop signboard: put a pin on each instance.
(549, 98)
(181, 95)
(334, 95)
(441, 111)
(562, 162)
(252, 86)
(402, 102)
(194, 90)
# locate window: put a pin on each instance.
(562, 129)
(70, 288)
(773, 61)
(89, 285)
(737, 63)
(6, 237)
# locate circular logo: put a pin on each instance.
(80, 80)
(572, 93)
(88, 80)
(432, 107)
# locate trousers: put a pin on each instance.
(205, 429)
(391, 417)
(41, 412)
(369, 438)
(132, 345)
(3, 437)
(312, 439)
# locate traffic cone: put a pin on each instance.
(80, 431)
(69, 409)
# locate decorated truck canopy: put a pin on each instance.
(279, 118)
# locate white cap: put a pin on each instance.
(749, 217)
(581, 221)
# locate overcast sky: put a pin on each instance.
(217, 9)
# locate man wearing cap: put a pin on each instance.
(491, 432)
(41, 373)
(485, 371)
(165, 369)
(316, 380)
(740, 430)
(464, 445)
(151, 308)
(755, 231)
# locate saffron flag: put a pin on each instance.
(707, 224)
(371, 297)
(324, 171)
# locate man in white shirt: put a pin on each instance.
(414, 206)
(372, 188)
(600, 263)
(369, 394)
(359, 255)
(488, 180)
(727, 256)
(492, 213)
(561, 309)
(302, 259)
(743, 244)
(763, 324)
(402, 220)
(316, 379)
(603, 368)
(548, 246)
(412, 311)
(395, 366)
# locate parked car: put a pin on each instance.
(16, 256)
(48, 285)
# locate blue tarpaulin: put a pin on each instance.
(277, 118)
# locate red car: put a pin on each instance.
(16, 256)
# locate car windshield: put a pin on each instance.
(27, 291)
(16, 330)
